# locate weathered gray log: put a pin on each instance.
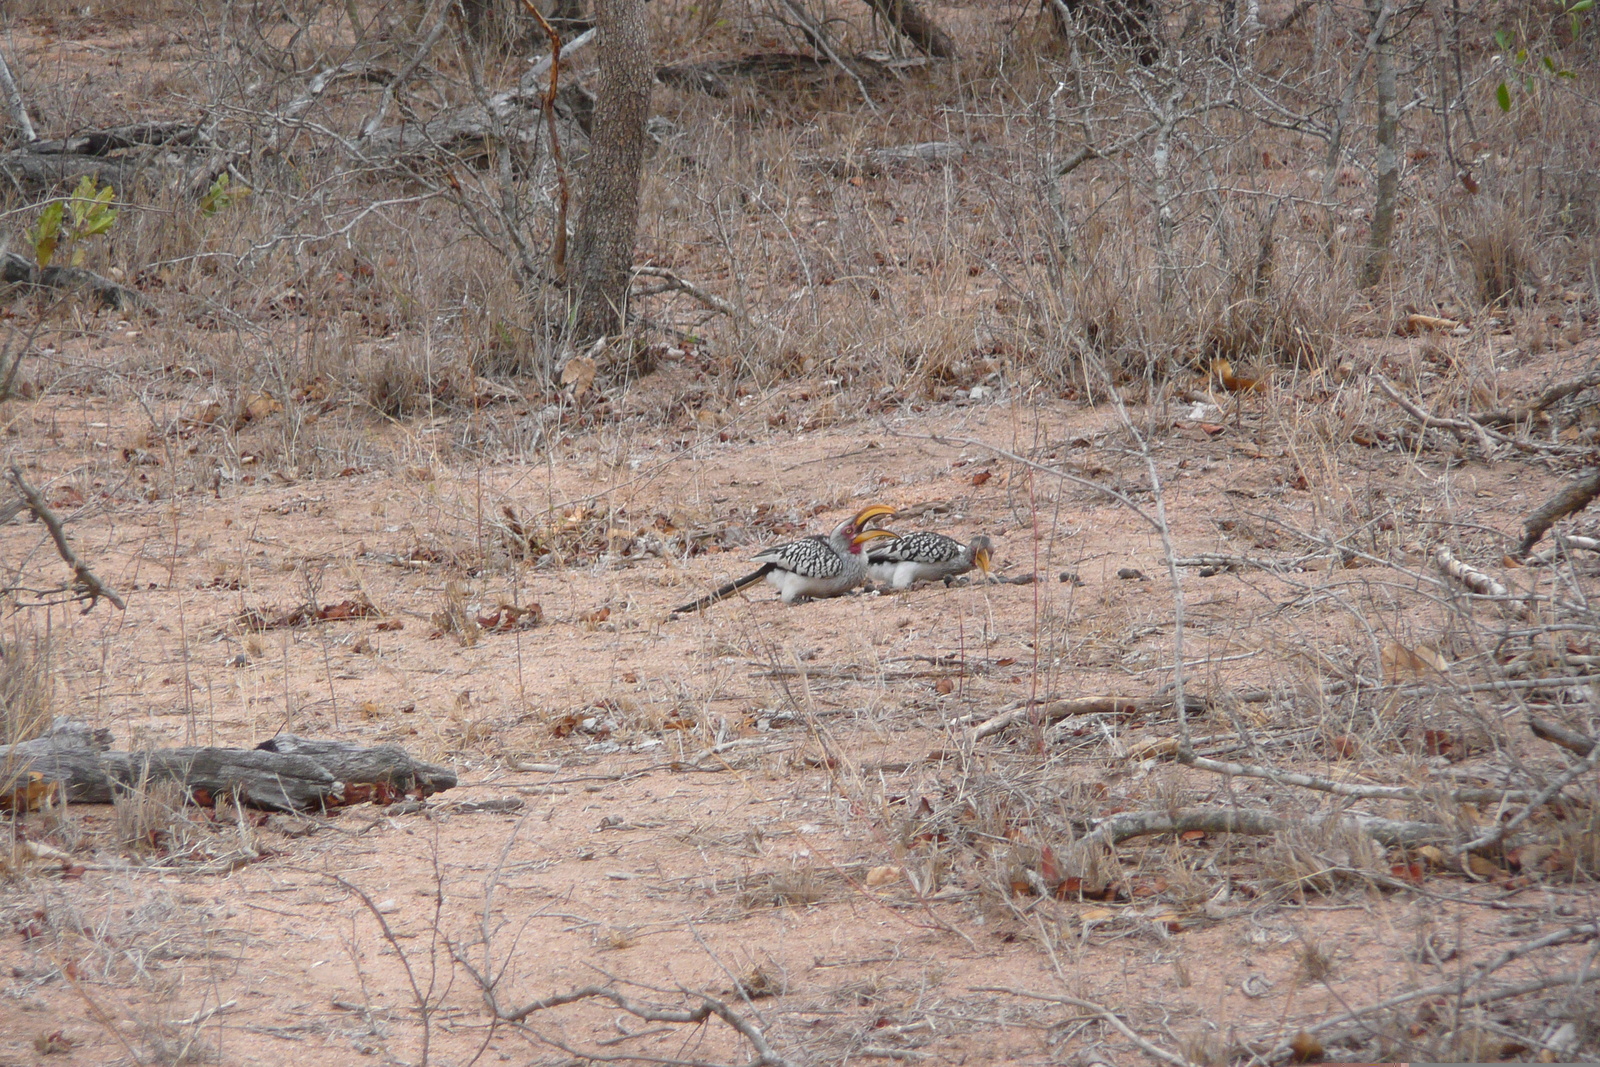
(16, 270)
(138, 135)
(48, 171)
(294, 775)
(389, 765)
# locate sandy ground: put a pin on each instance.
(755, 803)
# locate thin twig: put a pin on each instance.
(558, 248)
(1105, 1013)
(83, 577)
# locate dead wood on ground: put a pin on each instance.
(1572, 498)
(15, 270)
(287, 773)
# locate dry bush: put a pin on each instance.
(1501, 262)
(26, 685)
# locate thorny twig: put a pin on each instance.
(1105, 1013)
(708, 1006)
(83, 578)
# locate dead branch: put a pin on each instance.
(1551, 396)
(671, 280)
(65, 161)
(916, 26)
(819, 40)
(1119, 828)
(294, 774)
(1089, 151)
(1338, 1026)
(876, 161)
(1570, 740)
(16, 270)
(1059, 709)
(471, 129)
(1505, 827)
(1467, 575)
(16, 107)
(1342, 789)
(558, 246)
(708, 1006)
(1567, 541)
(1460, 427)
(1105, 1013)
(1572, 498)
(707, 76)
(82, 577)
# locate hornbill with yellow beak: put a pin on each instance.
(811, 568)
(926, 556)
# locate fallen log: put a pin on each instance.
(15, 270)
(287, 773)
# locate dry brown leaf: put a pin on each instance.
(578, 375)
(1401, 663)
(882, 876)
(1418, 323)
(1306, 1048)
(1153, 746)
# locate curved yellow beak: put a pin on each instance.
(981, 558)
(871, 535)
(870, 512)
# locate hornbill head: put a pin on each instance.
(982, 553)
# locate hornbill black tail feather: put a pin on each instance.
(726, 591)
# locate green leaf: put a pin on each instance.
(1580, 7)
(100, 223)
(1502, 96)
(77, 256)
(1549, 64)
(1522, 55)
(1565, 74)
(1503, 39)
(47, 232)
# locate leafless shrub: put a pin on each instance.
(26, 690)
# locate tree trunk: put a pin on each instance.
(608, 206)
(1388, 137)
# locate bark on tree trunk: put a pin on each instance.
(608, 206)
(1388, 137)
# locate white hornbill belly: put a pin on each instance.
(926, 556)
(811, 568)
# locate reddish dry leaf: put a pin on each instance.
(390, 625)
(1192, 835)
(596, 616)
(981, 477)
(944, 686)
(1407, 872)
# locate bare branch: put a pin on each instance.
(83, 578)
(16, 106)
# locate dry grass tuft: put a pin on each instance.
(26, 691)
(1503, 270)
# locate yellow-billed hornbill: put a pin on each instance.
(926, 556)
(811, 568)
